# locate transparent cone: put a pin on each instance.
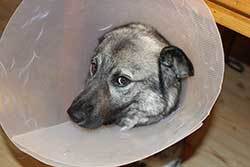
(44, 59)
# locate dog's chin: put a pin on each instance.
(109, 122)
(91, 124)
(97, 124)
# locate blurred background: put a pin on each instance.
(224, 140)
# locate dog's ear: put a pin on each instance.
(174, 58)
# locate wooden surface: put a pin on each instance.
(239, 6)
(227, 141)
(7, 7)
(233, 14)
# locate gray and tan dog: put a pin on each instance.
(134, 80)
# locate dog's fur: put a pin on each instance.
(171, 157)
(135, 79)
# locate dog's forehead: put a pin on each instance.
(142, 56)
(135, 48)
(131, 39)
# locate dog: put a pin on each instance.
(135, 79)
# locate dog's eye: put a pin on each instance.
(121, 81)
(93, 67)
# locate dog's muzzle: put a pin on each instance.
(90, 108)
(82, 114)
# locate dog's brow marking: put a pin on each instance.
(111, 69)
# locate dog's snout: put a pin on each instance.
(76, 114)
(79, 111)
(82, 114)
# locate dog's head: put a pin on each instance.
(135, 78)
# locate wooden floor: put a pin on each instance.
(226, 134)
(7, 7)
(224, 140)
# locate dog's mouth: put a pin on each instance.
(118, 113)
(93, 116)
(93, 123)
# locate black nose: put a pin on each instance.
(79, 111)
(84, 117)
(77, 116)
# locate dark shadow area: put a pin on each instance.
(195, 140)
(235, 45)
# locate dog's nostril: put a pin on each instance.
(80, 113)
(77, 116)
(89, 108)
(85, 114)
